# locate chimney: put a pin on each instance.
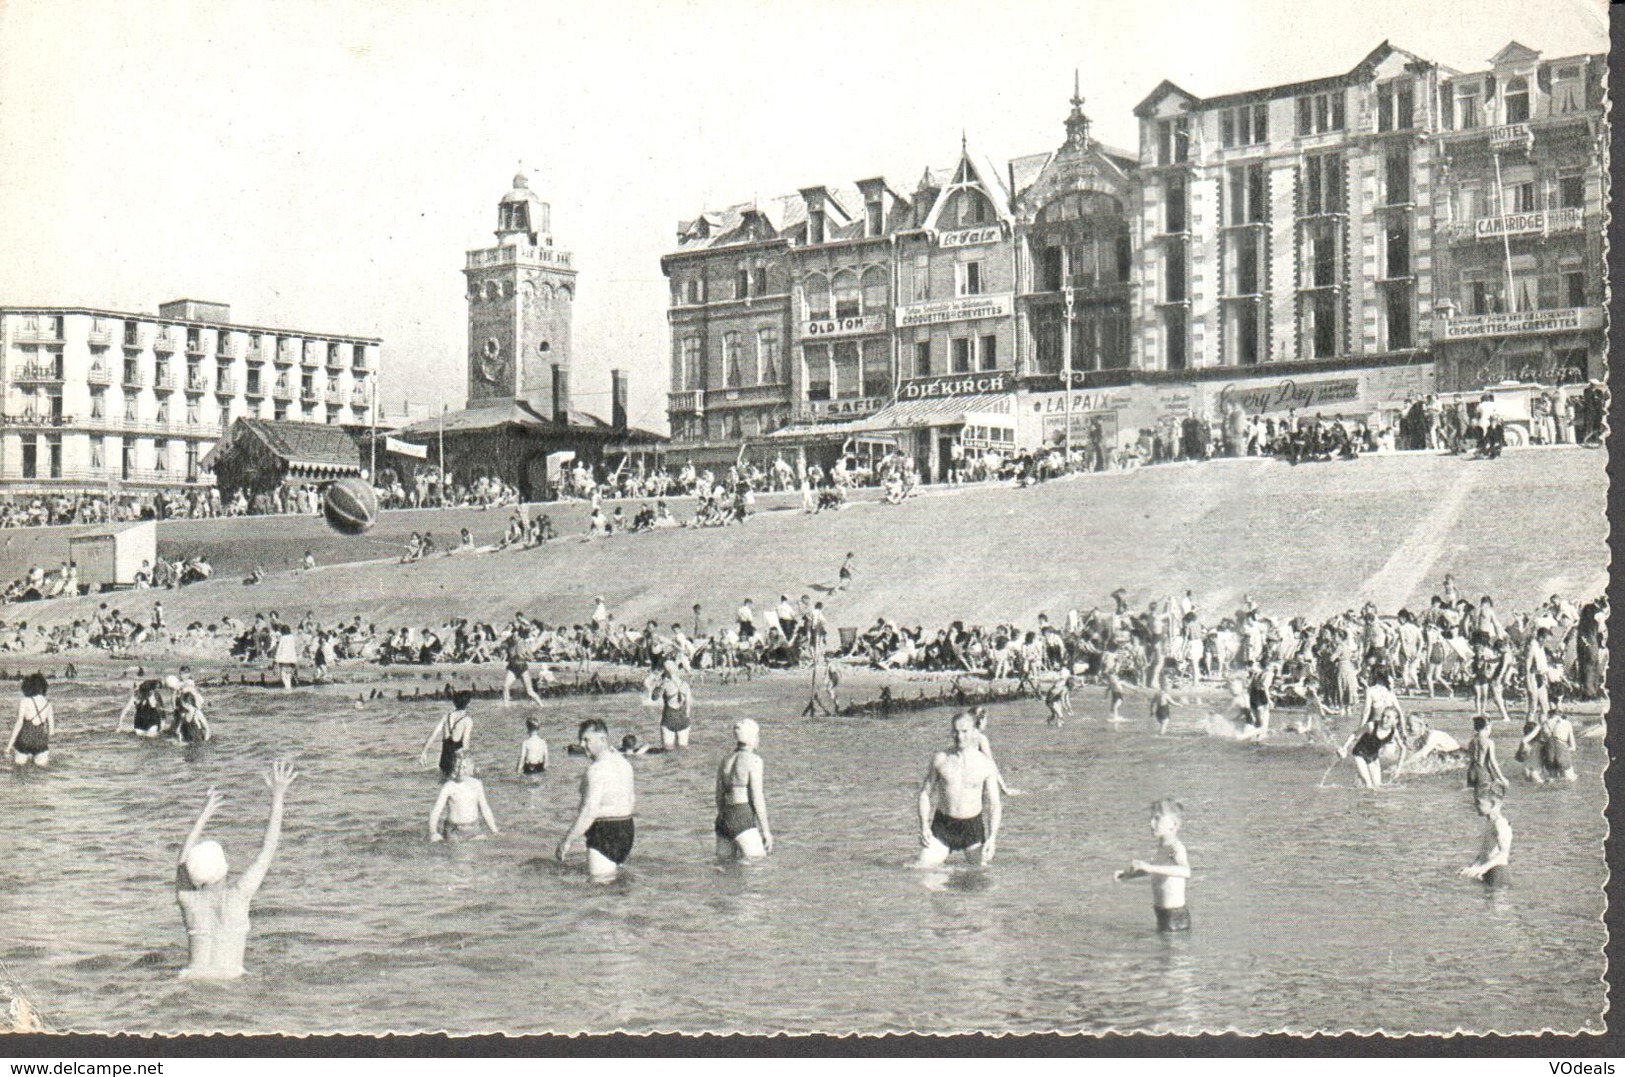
(561, 394)
(617, 399)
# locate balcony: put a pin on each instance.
(164, 383)
(256, 346)
(195, 346)
(102, 336)
(197, 383)
(38, 374)
(37, 335)
(98, 376)
(310, 395)
(132, 340)
(255, 390)
(133, 379)
(747, 394)
(335, 361)
(225, 386)
(283, 393)
(310, 358)
(286, 352)
(358, 364)
(693, 400)
(162, 342)
(229, 348)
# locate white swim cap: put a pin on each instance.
(206, 863)
(747, 732)
(172, 682)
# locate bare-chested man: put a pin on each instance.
(959, 786)
(216, 911)
(607, 802)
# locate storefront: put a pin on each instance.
(930, 415)
(1544, 347)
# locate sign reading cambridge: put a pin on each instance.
(992, 381)
(965, 308)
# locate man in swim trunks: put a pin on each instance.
(1549, 749)
(461, 804)
(1168, 871)
(741, 828)
(1491, 865)
(216, 912)
(604, 820)
(959, 786)
(1483, 769)
(516, 656)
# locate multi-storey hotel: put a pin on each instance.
(107, 400)
(1336, 245)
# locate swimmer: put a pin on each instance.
(676, 704)
(1550, 749)
(1162, 708)
(604, 820)
(455, 732)
(1114, 695)
(1483, 769)
(287, 657)
(1168, 871)
(36, 721)
(1058, 698)
(461, 804)
(1493, 857)
(960, 785)
(216, 912)
(533, 750)
(1368, 742)
(517, 669)
(1422, 741)
(189, 724)
(144, 711)
(741, 828)
(845, 574)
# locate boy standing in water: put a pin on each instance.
(1168, 871)
(533, 751)
(1491, 866)
(461, 804)
(1162, 708)
(1058, 698)
(1483, 769)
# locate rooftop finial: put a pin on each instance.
(962, 142)
(1077, 124)
(1077, 98)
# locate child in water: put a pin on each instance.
(1168, 871)
(1162, 709)
(461, 804)
(1114, 695)
(1058, 698)
(1491, 866)
(533, 750)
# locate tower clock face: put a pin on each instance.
(492, 365)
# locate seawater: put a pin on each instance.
(1315, 907)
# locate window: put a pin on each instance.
(970, 207)
(1519, 198)
(1052, 268)
(54, 406)
(280, 413)
(730, 358)
(1320, 112)
(1397, 249)
(1173, 281)
(1574, 288)
(161, 415)
(1396, 105)
(1515, 100)
(132, 408)
(1174, 348)
(30, 458)
(989, 352)
(968, 278)
(742, 283)
(1320, 324)
(1243, 260)
(876, 367)
(1173, 205)
(191, 461)
(1568, 89)
(848, 369)
(1244, 126)
(1241, 332)
(960, 347)
(691, 376)
(1468, 115)
(760, 280)
(696, 290)
(53, 450)
(132, 334)
(848, 295)
(874, 217)
(1470, 202)
(98, 404)
(922, 358)
(160, 456)
(815, 226)
(1396, 176)
(767, 356)
(1173, 141)
(816, 357)
(876, 292)
(358, 354)
(98, 454)
(1397, 311)
(1320, 254)
(1323, 184)
(815, 297)
(1247, 194)
(1571, 192)
(922, 276)
(191, 413)
(253, 381)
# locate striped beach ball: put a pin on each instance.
(350, 506)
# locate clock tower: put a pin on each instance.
(520, 296)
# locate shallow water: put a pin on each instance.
(1314, 907)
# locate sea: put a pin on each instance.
(1317, 905)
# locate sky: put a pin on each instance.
(325, 165)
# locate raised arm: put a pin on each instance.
(279, 777)
(211, 802)
(434, 735)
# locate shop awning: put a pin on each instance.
(936, 411)
(808, 433)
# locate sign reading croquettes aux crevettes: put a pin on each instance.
(963, 309)
(993, 381)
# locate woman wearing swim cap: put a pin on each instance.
(216, 911)
(742, 829)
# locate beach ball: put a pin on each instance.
(350, 506)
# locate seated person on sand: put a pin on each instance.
(214, 910)
(461, 805)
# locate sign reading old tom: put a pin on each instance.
(992, 381)
(963, 309)
(843, 327)
(1289, 395)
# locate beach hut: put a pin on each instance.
(110, 557)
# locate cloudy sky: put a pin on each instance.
(324, 166)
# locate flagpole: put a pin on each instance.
(442, 454)
(372, 472)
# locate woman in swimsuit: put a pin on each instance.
(455, 732)
(676, 701)
(189, 725)
(742, 830)
(31, 736)
(1367, 744)
(145, 710)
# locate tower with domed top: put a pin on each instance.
(521, 293)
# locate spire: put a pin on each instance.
(1077, 124)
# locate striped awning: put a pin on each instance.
(935, 411)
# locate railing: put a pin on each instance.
(360, 398)
(358, 363)
(255, 390)
(132, 340)
(100, 336)
(37, 372)
(229, 348)
(310, 396)
(162, 342)
(39, 336)
(310, 358)
(285, 351)
(225, 386)
(164, 383)
(133, 379)
(542, 256)
(282, 392)
(198, 384)
(194, 346)
(689, 400)
(98, 376)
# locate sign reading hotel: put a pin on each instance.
(1289, 395)
(843, 327)
(1518, 224)
(963, 309)
(850, 408)
(1529, 321)
(1512, 134)
(969, 237)
(992, 381)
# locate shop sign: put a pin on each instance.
(963, 309)
(1528, 321)
(843, 327)
(1509, 135)
(1057, 404)
(1289, 395)
(970, 237)
(1518, 224)
(994, 381)
(850, 408)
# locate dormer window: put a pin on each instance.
(1515, 100)
(1173, 140)
(1568, 88)
(1468, 115)
(1396, 105)
(874, 214)
(815, 226)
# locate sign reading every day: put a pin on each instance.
(993, 381)
(969, 237)
(963, 309)
(1289, 395)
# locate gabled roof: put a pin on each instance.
(517, 413)
(1360, 72)
(976, 173)
(1165, 88)
(1514, 53)
(311, 447)
(740, 224)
